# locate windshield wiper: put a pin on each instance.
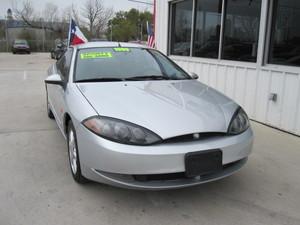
(103, 79)
(151, 77)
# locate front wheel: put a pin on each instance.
(74, 156)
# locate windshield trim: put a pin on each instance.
(187, 76)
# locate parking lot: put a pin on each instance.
(36, 186)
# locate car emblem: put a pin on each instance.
(196, 136)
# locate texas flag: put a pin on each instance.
(76, 37)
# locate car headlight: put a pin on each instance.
(239, 122)
(120, 131)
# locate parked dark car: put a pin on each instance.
(20, 46)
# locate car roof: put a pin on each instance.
(102, 44)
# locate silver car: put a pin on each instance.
(132, 118)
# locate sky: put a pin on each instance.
(117, 5)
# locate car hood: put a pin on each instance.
(168, 108)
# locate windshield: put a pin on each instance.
(125, 63)
(20, 42)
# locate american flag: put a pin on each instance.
(151, 37)
(151, 30)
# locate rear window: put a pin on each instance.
(124, 63)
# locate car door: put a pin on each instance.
(57, 92)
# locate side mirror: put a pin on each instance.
(194, 76)
(54, 79)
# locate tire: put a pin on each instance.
(14, 53)
(74, 160)
(49, 112)
(28, 53)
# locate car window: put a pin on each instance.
(122, 63)
(64, 63)
(21, 42)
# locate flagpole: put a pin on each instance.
(69, 34)
(154, 22)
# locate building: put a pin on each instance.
(247, 49)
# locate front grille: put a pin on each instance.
(159, 177)
(194, 137)
(174, 176)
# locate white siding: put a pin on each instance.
(247, 83)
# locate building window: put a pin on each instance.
(207, 28)
(241, 30)
(239, 40)
(285, 34)
(181, 27)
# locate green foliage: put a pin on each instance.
(127, 26)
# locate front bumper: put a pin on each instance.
(115, 164)
(21, 50)
(127, 181)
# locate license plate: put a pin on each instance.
(202, 163)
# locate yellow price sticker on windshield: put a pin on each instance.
(96, 55)
(121, 49)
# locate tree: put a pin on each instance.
(123, 30)
(92, 18)
(34, 19)
(25, 12)
(130, 25)
(102, 23)
(96, 16)
(75, 14)
(54, 21)
(50, 13)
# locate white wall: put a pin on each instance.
(249, 84)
